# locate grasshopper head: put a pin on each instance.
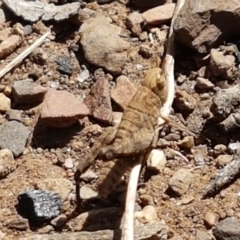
(156, 81)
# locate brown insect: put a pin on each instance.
(136, 133)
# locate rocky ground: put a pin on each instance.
(97, 54)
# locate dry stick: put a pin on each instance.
(24, 54)
(224, 176)
(128, 218)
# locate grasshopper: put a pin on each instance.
(136, 134)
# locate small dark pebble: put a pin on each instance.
(64, 65)
(38, 205)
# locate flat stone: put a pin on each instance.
(102, 45)
(5, 103)
(205, 25)
(159, 15)
(62, 186)
(227, 229)
(98, 101)
(61, 109)
(180, 181)
(13, 136)
(27, 92)
(123, 92)
(9, 45)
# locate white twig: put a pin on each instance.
(24, 54)
(168, 68)
(128, 217)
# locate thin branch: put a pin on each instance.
(24, 54)
(168, 68)
(128, 217)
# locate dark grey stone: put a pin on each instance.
(64, 65)
(39, 205)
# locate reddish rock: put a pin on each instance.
(61, 109)
(99, 102)
(9, 45)
(159, 15)
(123, 92)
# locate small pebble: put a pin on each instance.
(181, 180)
(223, 160)
(7, 91)
(156, 160)
(220, 149)
(186, 142)
(210, 218)
(88, 175)
(68, 164)
(147, 215)
(59, 221)
(87, 193)
(203, 83)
